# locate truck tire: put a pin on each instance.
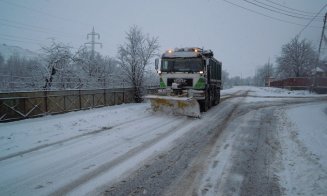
(212, 99)
(218, 97)
(208, 100)
(204, 104)
(215, 98)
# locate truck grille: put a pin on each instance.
(182, 81)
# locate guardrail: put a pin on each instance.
(22, 105)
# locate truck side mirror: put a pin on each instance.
(156, 62)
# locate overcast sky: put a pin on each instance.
(241, 39)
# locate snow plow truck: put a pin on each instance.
(190, 82)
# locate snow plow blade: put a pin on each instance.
(176, 105)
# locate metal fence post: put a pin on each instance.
(104, 97)
(114, 98)
(80, 99)
(123, 95)
(64, 103)
(93, 100)
(24, 106)
(45, 94)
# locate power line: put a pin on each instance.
(42, 12)
(276, 11)
(17, 37)
(15, 40)
(312, 19)
(271, 17)
(30, 26)
(287, 11)
(281, 5)
(25, 28)
(31, 29)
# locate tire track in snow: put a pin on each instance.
(254, 174)
(21, 153)
(110, 165)
(73, 165)
(189, 180)
(172, 166)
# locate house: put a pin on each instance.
(322, 70)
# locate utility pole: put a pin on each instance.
(322, 36)
(268, 74)
(92, 42)
(319, 50)
(269, 67)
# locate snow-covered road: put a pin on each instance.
(245, 145)
(57, 162)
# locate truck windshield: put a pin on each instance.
(182, 65)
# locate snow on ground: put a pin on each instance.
(61, 153)
(264, 94)
(31, 133)
(269, 92)
(303, 132)
(28, 134)
(300, 164)
(273, 92)
(116, 130)
(18, 136)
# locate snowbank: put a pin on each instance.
(303, 134)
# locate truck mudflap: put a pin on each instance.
(175, 105)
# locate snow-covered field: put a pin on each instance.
(57, 154)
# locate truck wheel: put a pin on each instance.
(214, 99)
(204, 105)
(218, 98)
(207, 104)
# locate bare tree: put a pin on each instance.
(3, 71)
(34, 72)
(20, 73)
(57, 57)
(84, 60)
(297, 59)
(225, 79)
(94, 72)
(151, 78)
(2, 60)
(262, 74)
(135, 55)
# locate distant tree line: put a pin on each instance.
(59, 67)
(298, 58)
